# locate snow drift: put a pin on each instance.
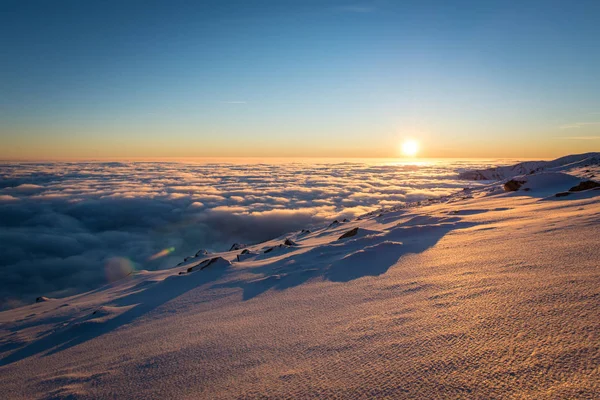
(481, 294)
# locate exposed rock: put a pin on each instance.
(513, 185)
(334, 223)
(245, 255)
(237, 246)
(585, 185)
(186, 259)
(350, 233)
(211, 262)
(270, 249)
(304, 231)
(201, 252)
(345, 220)
(562, 194)
(42, 299)
(290, 242)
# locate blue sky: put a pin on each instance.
(83, 79)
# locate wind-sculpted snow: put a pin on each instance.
(484, 294)
(61, 222)
(529, 167)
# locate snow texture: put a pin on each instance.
(482, 294)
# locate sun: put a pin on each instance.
(410, 148)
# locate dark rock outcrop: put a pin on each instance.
(41, 299)
(585, 185)
(513, 185)
(350, 233)
(211, 262)
(270, 249)
(237, 246)
(290, 242)
(245, 254)
(201, 252)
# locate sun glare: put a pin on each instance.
(410, 148)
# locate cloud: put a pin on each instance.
(578, 125)
(581, 137)
(7, 197)
(356, 8)
(60, 223)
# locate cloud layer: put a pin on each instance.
(62, 222)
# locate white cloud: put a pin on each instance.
(581, 137)
(356, 8)
(578, 125)
(61, 221)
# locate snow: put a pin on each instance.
(485, 294)
(560, 164)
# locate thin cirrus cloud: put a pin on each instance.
(582, 137)
(578, 125)
(61, 222)
(356, 8)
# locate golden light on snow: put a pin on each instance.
(410, 148)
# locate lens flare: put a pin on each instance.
(161, 253)
(117, 268)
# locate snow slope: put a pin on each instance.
(571, 162)
(485, 294)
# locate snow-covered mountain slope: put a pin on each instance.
(567, 163)
(486, 294)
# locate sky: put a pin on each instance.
(175, 79)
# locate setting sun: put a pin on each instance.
(410, 148)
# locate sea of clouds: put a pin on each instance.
(60, 223)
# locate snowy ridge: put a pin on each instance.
(529, 167)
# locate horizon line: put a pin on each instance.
(191, 158)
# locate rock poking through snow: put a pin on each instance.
(350, 233)
(42, 299)
(211, 262)
(513, 185)
(585, 185)
(290, 242)
(201, 252)
(246, 254)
